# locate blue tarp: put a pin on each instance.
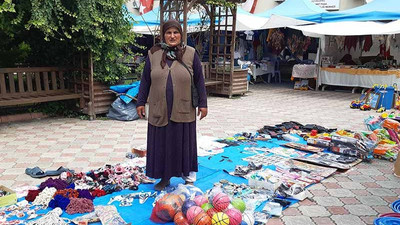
(130, 90)
(210, 172)
(297, 9)
(152, 18)
(373, 11)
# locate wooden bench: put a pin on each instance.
(208, 80)
(20, 86)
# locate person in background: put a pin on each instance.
(166, 85)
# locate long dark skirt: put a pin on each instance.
(172, 149)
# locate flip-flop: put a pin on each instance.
(58, 171)
(35, 172)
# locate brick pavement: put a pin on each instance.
(354, 197)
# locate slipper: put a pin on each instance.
(35, 172)
(58, 171)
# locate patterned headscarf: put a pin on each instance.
(172, 53)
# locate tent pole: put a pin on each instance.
(319, 63)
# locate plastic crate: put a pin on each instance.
(8, 199)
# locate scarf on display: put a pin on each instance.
(172, 53)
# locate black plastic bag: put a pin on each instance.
(121, 111)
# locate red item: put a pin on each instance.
(383, 52)
(313, 133)
(350, 42)
(98, 193)
(367, 43)
(32, 194)
(145, 6)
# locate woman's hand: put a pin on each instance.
(141, 111)
(202, 112)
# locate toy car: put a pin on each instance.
(384, 153)
(355, 104)
(365, 107)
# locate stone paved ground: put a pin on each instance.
(355, 197)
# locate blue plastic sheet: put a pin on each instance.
(131, 90)
(210, 172)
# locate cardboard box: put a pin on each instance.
(8, 199)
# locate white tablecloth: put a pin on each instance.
(359, 80)
(304, 71)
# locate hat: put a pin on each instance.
(169, 24)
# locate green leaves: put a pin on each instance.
(7, 6)
(98, 26)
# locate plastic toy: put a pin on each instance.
(365, 107)
(383, 152)
(356, 104)
(381, 109)
(202, 219)
(221, 201)
(235, 216)
(373, 123)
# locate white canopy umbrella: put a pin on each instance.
(348, 28)
(247, 21)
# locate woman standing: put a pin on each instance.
(166, 85)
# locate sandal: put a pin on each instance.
(35, 172)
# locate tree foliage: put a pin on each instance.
(55, 29)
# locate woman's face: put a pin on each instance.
(172, 37)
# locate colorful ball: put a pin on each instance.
(211, 212)
(239, 204)
(180, 219)
(202, 219)
(206, 206)
(168, 206)
(235, 216)
(200, 200)
(247, 218)
(221, 201)
(193, 212)
(220, 218)
(186, 205)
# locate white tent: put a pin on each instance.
(247, 21)
(349, 28)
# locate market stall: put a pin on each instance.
(358, 48)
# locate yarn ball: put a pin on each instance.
(56, 183)
(167, 207)
(235, 216)
(247, 218)
(206, 206)
(186, 205)
(80, 205)
(202, 219)
(193, 212)
(85, 194)
(221, 201)
(200, 200)
(220, 218)
(180, 219)
(211, 212)
(239, 204)
(98, 193)
(59, 201)
(32, 194)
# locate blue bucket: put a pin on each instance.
(387, 96)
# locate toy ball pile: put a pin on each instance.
(216, 210)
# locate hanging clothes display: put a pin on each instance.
(276, 41)
(367, 43)
(350, 42)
